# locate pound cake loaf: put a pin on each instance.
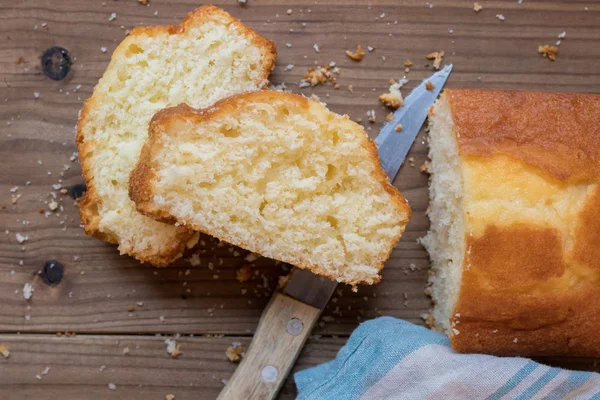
(276, 174)
(209, 56)
(515, 222)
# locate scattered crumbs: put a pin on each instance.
(194, 260)
(36, 95)
(53, 205)
(144, 2)
(102, 368)
(351, 88)
(357, 55)
(425, 167)
(126, 350)
(4, 351)
(244, 273)
(500, 17)
(289, 11)
(161, 318)
(170, 397)
(289, 67)
(411, 162)
(112, 17)
(389, 117)
(370, 48)
(371, 115)
(437, 57)
(27, 291)
(112, 386)
(130, 308)
(45, 371)
(21, 238)
(398, 128)
(316, 47)
(429, 85)
(562, 35)
(173, 348)
(393, 99)
(408, 63)
(234, 352)
(103, 49)
(140, 303)
(548, 51)
(477, 7)
(288, 45)
(320, 75)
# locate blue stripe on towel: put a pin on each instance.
(573, 382)
(370, 341)
(532, 390)
(515, 380)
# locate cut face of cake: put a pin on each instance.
(276, 174)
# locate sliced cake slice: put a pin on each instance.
(276, 174)
(209, 56)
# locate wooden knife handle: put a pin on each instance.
(282, 331)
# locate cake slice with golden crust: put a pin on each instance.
(209, 56)
(276, 174)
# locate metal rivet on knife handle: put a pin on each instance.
(294, 326)
(269, 373)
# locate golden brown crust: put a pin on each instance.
(140, 184)
(88, 205)
(557, 132)
(530, 288)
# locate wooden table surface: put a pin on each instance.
(205, 303)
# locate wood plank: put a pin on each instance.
(98, 284)
(83, 366)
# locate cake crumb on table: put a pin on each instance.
(393, 99)
(429, 85)
(173, 348)
(4, 351)
(356, 55)
(234, 352)
(437, 57)
(477, 7)
(244, 273)
(27, 291)
(549, 51)
(398, 128)
(170, 397)
(320, 75)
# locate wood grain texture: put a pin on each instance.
(37, 137)
(82, 367)
(276, 345)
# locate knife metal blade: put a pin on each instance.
(393, 147)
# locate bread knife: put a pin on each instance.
(292, 312)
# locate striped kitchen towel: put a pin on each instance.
(387, 358)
